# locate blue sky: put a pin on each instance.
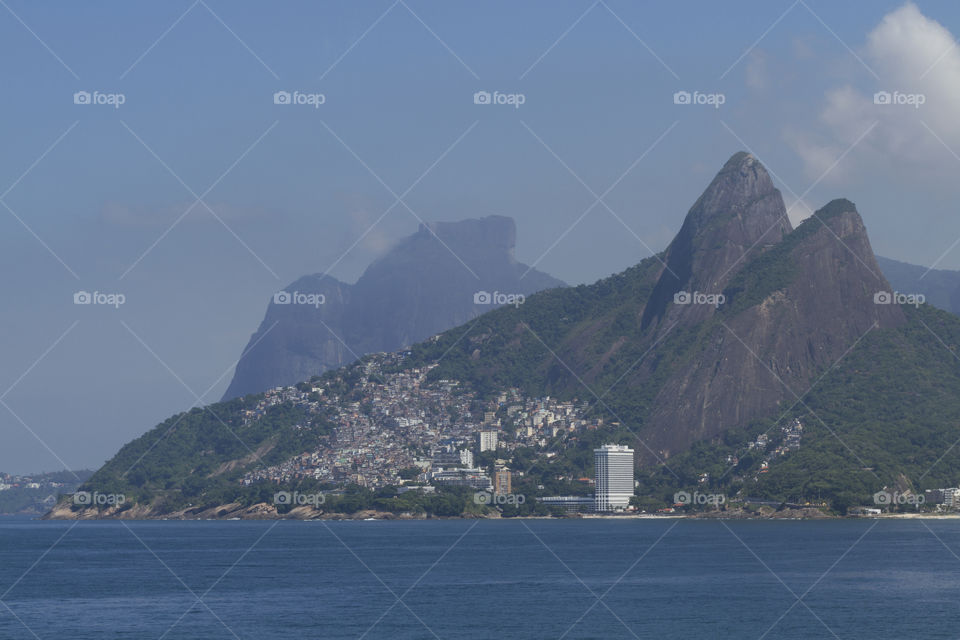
(95, 195)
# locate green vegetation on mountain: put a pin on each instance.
(205, 451)
(888, 411)
(503, 348)
(689, 386)
(885, 416)
(773, 270)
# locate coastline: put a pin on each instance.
(264, 511)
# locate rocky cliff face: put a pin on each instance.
(293, 340)
(731, 324)
(739, 214)
(424, 285)
(810, 300)
(793, 302)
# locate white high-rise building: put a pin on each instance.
(487, 440)
(950, 497)
(614, 477)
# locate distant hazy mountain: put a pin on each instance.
(941, 287)
(426, 284)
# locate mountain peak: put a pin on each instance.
(740, 212)
(742, 160)
(740, 156)
(798, 307)
(837, 206)
(497, 233)
(425, 284)
(742, 179)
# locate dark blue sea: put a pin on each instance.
(480, 579)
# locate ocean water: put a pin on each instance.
(480, 579)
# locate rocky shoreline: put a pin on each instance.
(265, 511)
(232, 511)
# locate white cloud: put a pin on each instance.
(906, 43)
(912, 55)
